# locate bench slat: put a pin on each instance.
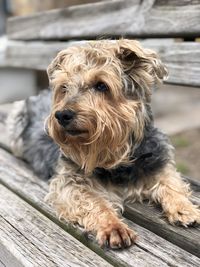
(149, 249)
(182, 59)
(33, 240)
(29, 55)
(151, 218)
(111, 18)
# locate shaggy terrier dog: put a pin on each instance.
(102, 148)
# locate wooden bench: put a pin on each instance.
(30, 232)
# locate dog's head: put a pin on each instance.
(101, 98)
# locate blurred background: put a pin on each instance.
(176, 108)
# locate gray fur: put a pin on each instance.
(27, 134)
(16, 123)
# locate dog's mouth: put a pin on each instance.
(75, 132)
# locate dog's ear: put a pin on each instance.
(56, 64)
(142, 65)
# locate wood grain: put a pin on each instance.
(114, 18)
(181, 59)
(152, 219)
(33, 240)
(31, 55)
(150, 248)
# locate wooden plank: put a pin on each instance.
(187, 239)
(182, 59)
(185, 74)
(150, 248)
(33, 240)
(133, 18)
(175, 52)
(31, 55)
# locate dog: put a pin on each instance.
(101, 148)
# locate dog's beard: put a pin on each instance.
(107, 134)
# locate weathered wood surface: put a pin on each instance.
(28, 238)
(31, 55)
(114, 18)
(149, 249)
(182, 59)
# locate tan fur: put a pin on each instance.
(77, 69)
(105, 142)
(173, 195)
(83, 200)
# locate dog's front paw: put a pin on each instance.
(116, 235)
(185, 214)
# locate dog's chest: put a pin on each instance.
(147, 159)
(123, 174)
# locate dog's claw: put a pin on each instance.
(188, 216)
(177, 223)
(116, 236)
(106, 244)
(193, 224)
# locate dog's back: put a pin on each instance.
(27, 135)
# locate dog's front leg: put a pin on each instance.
(173, 194)
(84, 201)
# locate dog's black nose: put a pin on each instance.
(64, 117)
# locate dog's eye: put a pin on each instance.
(64, 89)
(100, 86)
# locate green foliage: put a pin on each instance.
(182, 168)
(180, 142)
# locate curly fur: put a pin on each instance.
(28, 138)
(116, 154)
(129, 71)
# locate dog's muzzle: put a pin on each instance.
(64, 117)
